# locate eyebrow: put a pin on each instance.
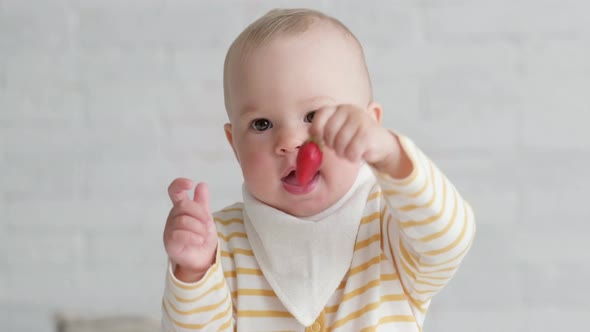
(316, 99)
(251, 108)
(248, 109)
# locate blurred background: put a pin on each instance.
(104, 103)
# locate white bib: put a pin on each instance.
(305, 259)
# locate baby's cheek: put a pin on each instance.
(332, 160)
(255, 162)
(339, 171)
(249, 152)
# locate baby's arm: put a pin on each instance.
(205, 305)
(427, 226)
(196, 296)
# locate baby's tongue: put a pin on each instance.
(291, 179)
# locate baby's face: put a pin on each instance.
(273, 95)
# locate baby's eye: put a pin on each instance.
(309, 116)
(261, 124)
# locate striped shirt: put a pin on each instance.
(411, 239)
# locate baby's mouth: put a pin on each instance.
(291, 179)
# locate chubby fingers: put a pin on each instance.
(192, 210)
(177, 190)
(188, 225)
(320, 118)
(339, 128)
(348, 141)
(201, 196)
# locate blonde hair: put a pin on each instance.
(280, 22)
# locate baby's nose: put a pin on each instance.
(288, 144)
(287, 148)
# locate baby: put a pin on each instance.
(363, 246)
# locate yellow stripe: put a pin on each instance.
(411, 156)
(431, 219)
(263, 313)
(447, 227)
(381, 222)
(418, 273)
(420, 191)
(404, 253)
(412, 263)
(413, 256)
(389, 319)
(229, 221)
(426, 276)
(360, 245)
(360, 290)
(373, 196)
(244, 252)
(347, 296)
(232, 210)
(205, 308)
(457, 240)
(393, 297)
(459, 255)
(253, 292)
(369, 218)
(231, 236)
(389, 277)
(389, 193)
(236, 251)
(218, 286)
(365, 266)
(384, 277)
(167, 314)
(422, 282)
(198, 283)
(199, 326)
(383, 212)
(249, 271)
(411, 207)
(233, 274)
(416, 303)
(448, 269)
(425, 291)
(225, 325)
(408, 271)
(367, 308)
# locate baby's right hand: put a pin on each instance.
(190, 236)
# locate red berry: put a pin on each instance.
(309, 160)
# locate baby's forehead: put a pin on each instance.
(320, 33)
(319, 47)
(325, 30)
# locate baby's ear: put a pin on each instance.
(375, 111)
(230, 138)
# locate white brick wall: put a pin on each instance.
(103, 103)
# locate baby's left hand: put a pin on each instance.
(354, 134)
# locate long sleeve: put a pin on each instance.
(427, 227)
(205, 305)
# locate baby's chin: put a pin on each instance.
(298, 206)
(309, 206)
(302, 210)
